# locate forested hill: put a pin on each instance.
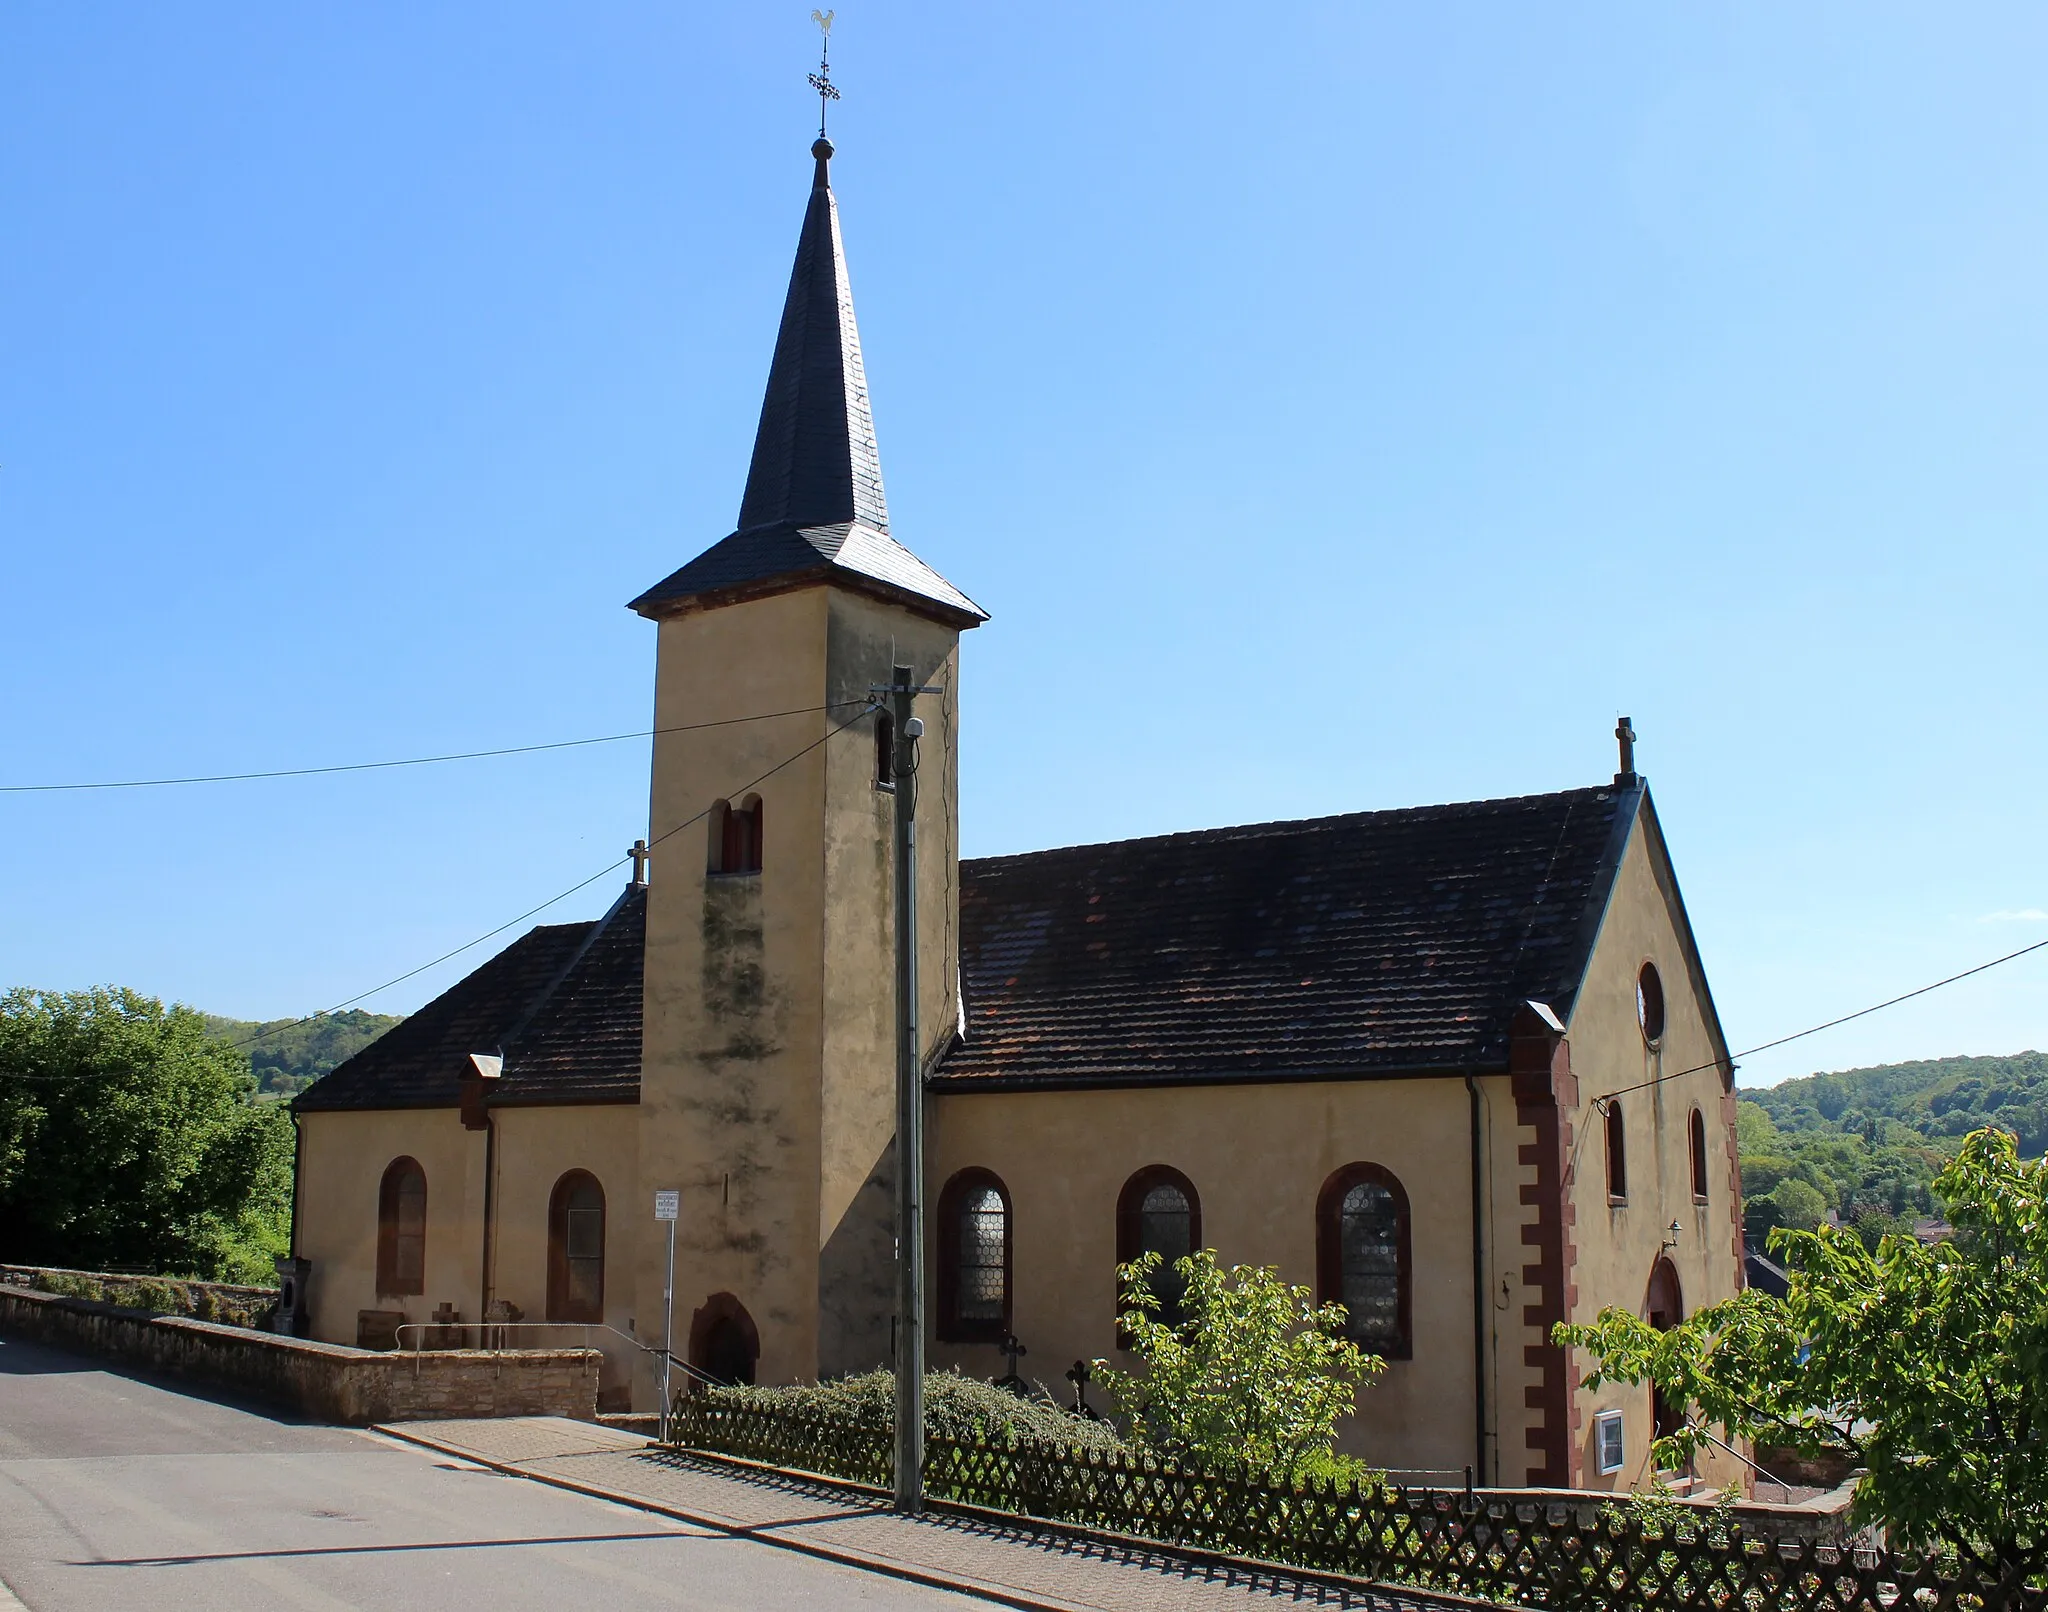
(289, 1056)
(1939, 1097)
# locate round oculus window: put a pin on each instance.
(1650, 1003)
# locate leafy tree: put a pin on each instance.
(1870, 1164)
(1929, 1101)
(1792, 1202)
(288, 1055)
(1874, 1225)
(1254, 1372)
(128, 1137)
(1928, 1365)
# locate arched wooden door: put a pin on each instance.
(725, 1345)
(1664, 1308)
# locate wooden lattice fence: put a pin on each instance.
(1497, 1545)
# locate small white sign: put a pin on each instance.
(666, 1205)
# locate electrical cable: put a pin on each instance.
(1801, 1035)
(829, 733)
(866, 706)
(419, 761)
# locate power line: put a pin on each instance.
(830, 733)
(1801, 1035)
(419, 761)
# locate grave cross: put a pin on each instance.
(1012, 1347)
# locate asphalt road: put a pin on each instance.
(118, 1492)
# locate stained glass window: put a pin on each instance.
(1369, 1263)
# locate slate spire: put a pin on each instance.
(813, 508)
(815, 462)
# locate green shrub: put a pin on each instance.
(163, 1298)
(1327, 1466)
(1251, 1371)
(955, 1407)
(70, 1285)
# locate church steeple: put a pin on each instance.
(815, 462)
(813, 507)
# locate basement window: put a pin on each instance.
(1607, 1442)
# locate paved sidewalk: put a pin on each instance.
(1014, 1565)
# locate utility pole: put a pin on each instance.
(907, 729)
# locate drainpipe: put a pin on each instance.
(1480, 1294)
(298, 1163)
(490, 1181)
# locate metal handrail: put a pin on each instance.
(677, 1361)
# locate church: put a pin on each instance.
(1456, 1067)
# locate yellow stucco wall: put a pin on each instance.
(856, 1208)
(535, 1148)
(732, 1036)
(342, 1164)
(1258, 1156)
(342, 1161)
(1617, 1245)
(767, 1070)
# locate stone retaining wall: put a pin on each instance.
(324, 1381)
(166, 1295)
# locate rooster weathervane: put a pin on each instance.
(821, 80)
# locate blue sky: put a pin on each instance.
(1337, 406)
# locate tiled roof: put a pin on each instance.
(1378, 943)
(814, 504)
(782, 555)
(568, 1037)
(1373, 943)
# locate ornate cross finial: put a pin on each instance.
(821, 80)
(1625, 736)
(640, 855)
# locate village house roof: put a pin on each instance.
(1367, 945)
(562, 1003)
(1376, 943)
(814, 509)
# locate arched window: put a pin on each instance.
(1158, 1212)
(1617, 1154)
(402, 1229)
(742, 849)
(1699, 1155)
(885, 750)
(576, 1249)
(714, 856)
(1363, 1257)
(736, 836)
(974, 1259)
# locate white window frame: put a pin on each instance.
(1602, 1421)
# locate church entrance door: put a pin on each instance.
(724, 1343)
(1665, 1305)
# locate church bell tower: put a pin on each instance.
(767, 1058)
